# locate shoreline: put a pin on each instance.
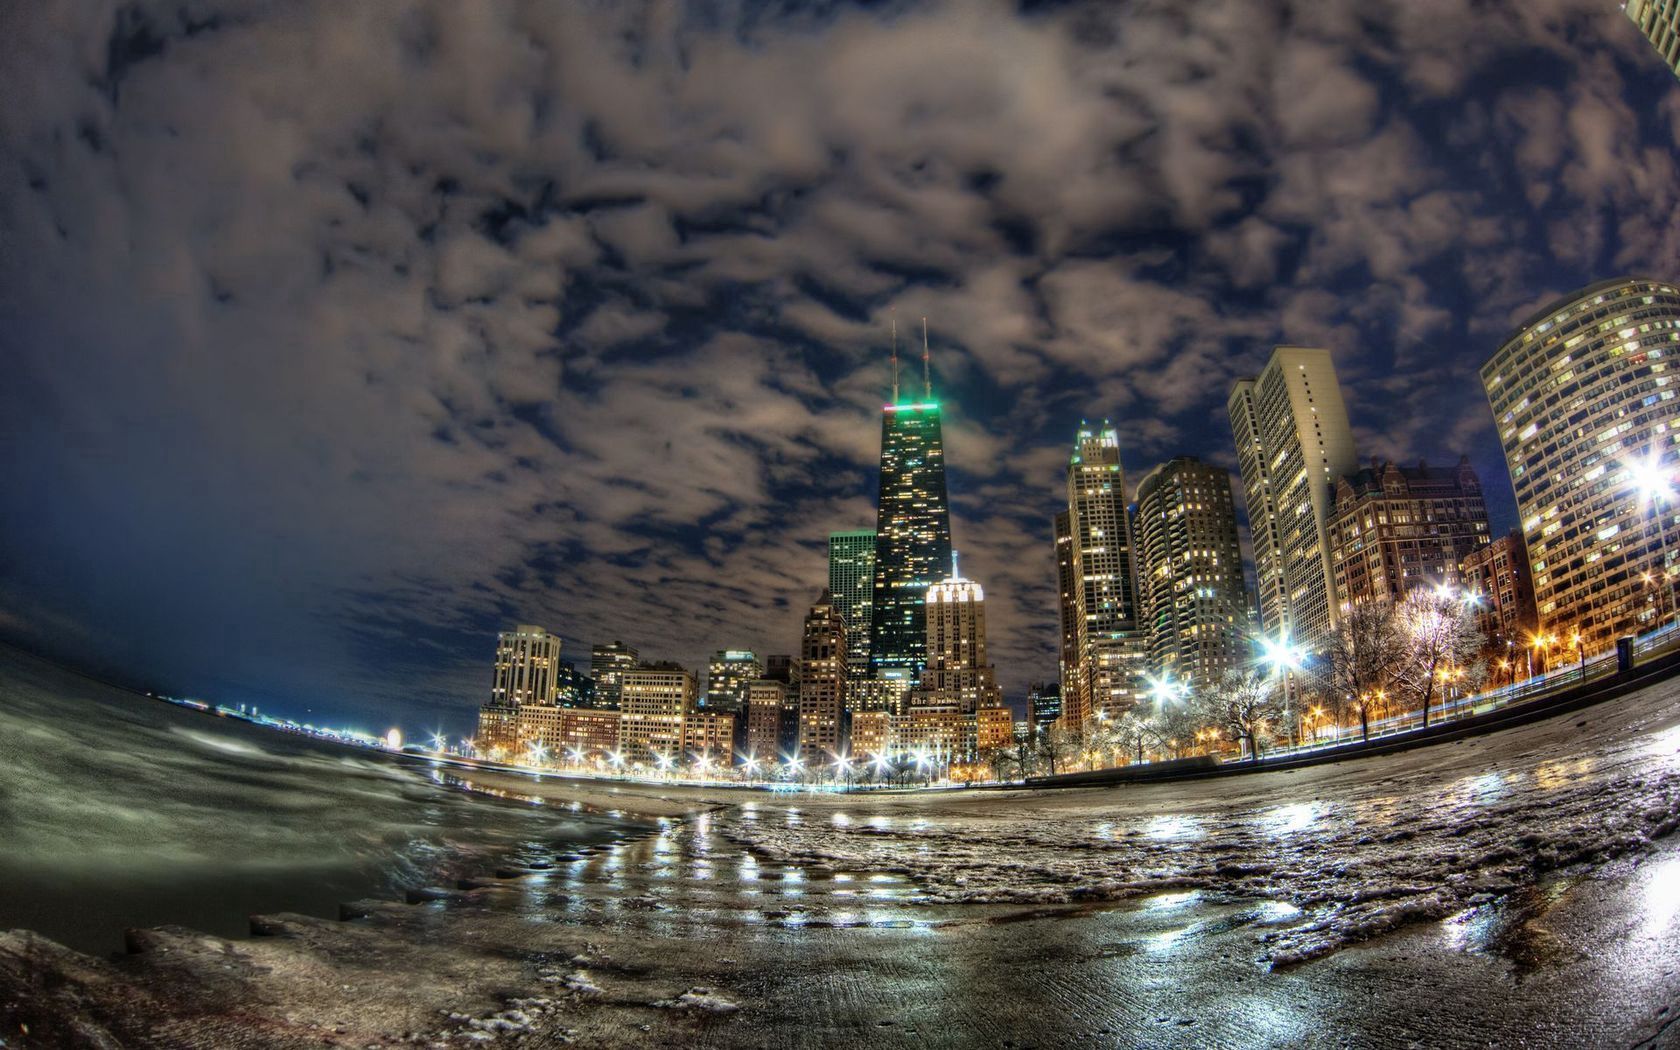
(739, 916)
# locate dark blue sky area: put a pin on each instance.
(337, 337)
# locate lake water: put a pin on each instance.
(117, 810)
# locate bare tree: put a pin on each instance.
(1054, 745)
(1440, 636)
(1133, 731)
(1364, 655)
(1242, 705)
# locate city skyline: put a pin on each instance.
(576, 383)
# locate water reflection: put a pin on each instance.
(1291, 819)
(1173, 828)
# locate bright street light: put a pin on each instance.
(1165, 690)
(1652, 479)
(1282, 654)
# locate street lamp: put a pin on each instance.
(1653, 483)
(1284, 657)
(1165, 690)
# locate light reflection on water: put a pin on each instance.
(1661, 898)
(1562, 773)
(1291, 819)
(1173, 828)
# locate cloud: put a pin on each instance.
(338, 337)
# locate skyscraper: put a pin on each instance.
(1399, 528)
(851, 583)
(822, 684)
(1659, 20)
(1584, 401)
(727, 677)
(607, 664)
(1074, 702)
(527, 667)
(958, 671)
(1191, 583)
(912, 537)
(1112, 649)
(1293, 442)
(1044, 704)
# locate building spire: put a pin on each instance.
(927, 378)
(956, 573)
(895, 358)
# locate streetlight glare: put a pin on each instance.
(1652, 479)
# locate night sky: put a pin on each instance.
(336, 336)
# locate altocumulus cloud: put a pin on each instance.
(337, 335)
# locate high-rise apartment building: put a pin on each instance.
(822, 684)
(958, 671)
(912, 537)
(1399, 528)
(1112, 650)
(654, 700)
(851, 583)
(1498, 575)
(1293, 442)
(1073, 700)
(766, 700)
(607, 664)
(1659, 20)
(727, 677)
(1191, 584)
(527, 667)
(1584, 401)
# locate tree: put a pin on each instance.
(1054, 745)
(1439, 632)
(1243, 706)
(1365, 654)
(1132, 731)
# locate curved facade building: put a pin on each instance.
(1583, 395)
(1191, 585)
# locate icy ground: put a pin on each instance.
(1508, 890)
(1353, 850)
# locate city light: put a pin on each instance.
(1652, 479)
(1281, 654)
(1165, 690)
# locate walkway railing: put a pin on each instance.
(1660, 641)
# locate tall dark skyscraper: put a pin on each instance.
(912, 537)
(851, 583)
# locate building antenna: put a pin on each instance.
(927, 380)
(895, 358)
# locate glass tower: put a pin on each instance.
(912, 538)
(851, 584)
